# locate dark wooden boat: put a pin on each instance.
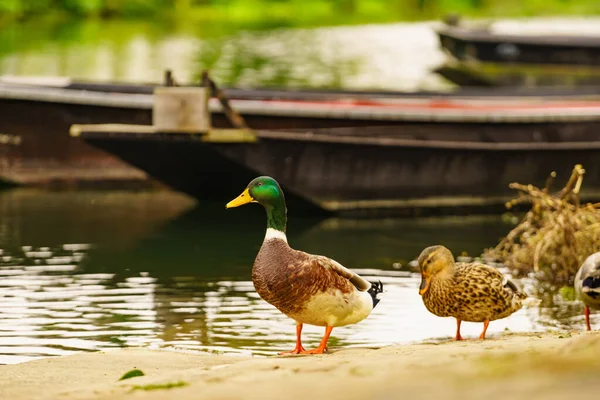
(480, 57)
(42, 113)
(367, 171)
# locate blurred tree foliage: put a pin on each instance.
(318, 11)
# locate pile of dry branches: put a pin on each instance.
(555, 236)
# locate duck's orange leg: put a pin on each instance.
(458, 337)
(486, 323)
(587, 318)
(323, 346)
(298, 349)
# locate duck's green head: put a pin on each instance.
(267, 192)
(264, 190)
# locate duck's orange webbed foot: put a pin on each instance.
(323, 346)
(298, 349)
(318, 350)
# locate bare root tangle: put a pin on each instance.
(556, 234)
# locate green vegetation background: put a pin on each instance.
(290, 12)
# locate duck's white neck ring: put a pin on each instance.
(275, 234)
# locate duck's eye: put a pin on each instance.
(259, 184)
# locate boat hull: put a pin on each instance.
(479, 57)
(48, 156)
(42, 116)
(359, 175)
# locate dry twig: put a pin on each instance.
(556, 235)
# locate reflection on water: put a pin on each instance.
(389, 57)
(148, 270)
(386, 56)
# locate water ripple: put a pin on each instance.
(50, 306)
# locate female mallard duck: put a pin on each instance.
(309, 289)
(470, 292)
(587, 285)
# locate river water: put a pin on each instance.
(83, 271)
(397, 56)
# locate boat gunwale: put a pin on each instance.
(482, 36)
(342, 109)
(302, 93)
(95, 132)
(429, 144)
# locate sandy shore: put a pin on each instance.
(545, 366)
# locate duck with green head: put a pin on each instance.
(310, 289)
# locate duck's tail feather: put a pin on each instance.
(591, 287)
(375, 290)
(520, 294)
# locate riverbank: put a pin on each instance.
(535, 366)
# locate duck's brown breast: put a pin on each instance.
(288, 279)
(438, 299)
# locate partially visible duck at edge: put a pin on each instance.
(309, 289)
(587, 285)
(471, 292)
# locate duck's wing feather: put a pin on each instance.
(331, 265)
(493, 274)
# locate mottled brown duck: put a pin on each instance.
(307, 288)
(587, 285)
(471, 292)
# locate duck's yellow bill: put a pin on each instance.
(424, 285)
(242, 199)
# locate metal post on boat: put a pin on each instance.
(233, 116)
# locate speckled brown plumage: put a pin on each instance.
(472, 292)
(288, 278)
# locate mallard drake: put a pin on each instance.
(309, 289)
(587, 285)
(472, 292)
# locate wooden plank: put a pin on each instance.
(249, 136)
(230, 136)
(427, 202)
(77, 129)
(376, 140)
(212, 136)
(11, 140)
(181, 109)
(74, 96)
